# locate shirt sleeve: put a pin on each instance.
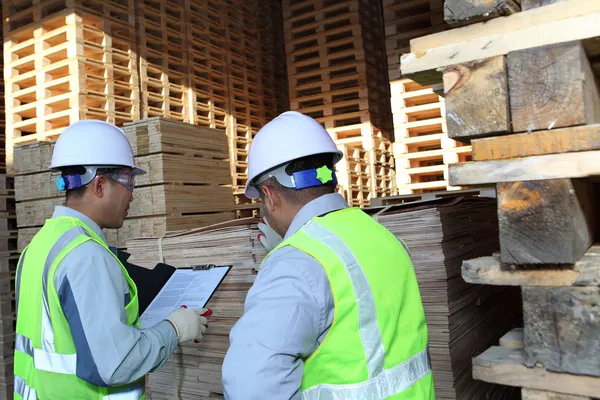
(93, 292)
(283, 318)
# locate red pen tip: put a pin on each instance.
(208, 313)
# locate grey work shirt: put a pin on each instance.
(93, 293)
(288, 312)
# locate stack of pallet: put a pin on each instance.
(8, 262)
(66, 61)
(336, 74)
(530, 107)
(422, 148)
(462, 319)
(163, 63)
(194, 371)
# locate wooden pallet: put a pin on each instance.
(334, 63)
(406, 20)
(163, 50)
(70, 67)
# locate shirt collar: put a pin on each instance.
(62, 211)
(319, 206)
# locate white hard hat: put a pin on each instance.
(93, 143)
(290, 136)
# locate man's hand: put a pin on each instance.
(268, 238)
(189, 323)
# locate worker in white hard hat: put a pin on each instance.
(78, 334)
(335, 310)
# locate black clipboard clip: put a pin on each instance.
(205, 267)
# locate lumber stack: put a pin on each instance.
(194, 371)
(336, 74)
(66, 61)
(8, 264)
(530, 107)
(463, 319)
(422, 149)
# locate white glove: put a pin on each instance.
(189, 323)
(269, 238)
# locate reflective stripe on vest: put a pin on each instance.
(381, 383)
(23, 390)
(46, 359)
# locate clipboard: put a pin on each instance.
(191, 285)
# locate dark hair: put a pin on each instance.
(303, 196)
(79, 192)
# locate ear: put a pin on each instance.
(97, 186)
(272, 199)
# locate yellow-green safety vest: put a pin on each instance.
(377, 345)
(45, 358)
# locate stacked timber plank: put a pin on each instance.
(337, 75)
(530, 107)
(194, 371)
(188, 179)
(8, 262)
(463, 319)
(66, 61)
(422, 148)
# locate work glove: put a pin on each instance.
(189, 323)
(268, 238)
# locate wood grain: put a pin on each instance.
(532, 394)
(561, 329)
(478, 10)
(551, 87)
(546, 222)
(491, 271)
(549, 166)
(476, 98)
(564, 140)
(505, 366)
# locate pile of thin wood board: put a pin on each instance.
(463, 319)
(529, 105)
(337, 75)
(194, 371)
(8, 263)
(422, 148)
(66, 61)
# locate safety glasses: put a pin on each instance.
(122, 178)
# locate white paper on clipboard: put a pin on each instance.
(190, 287)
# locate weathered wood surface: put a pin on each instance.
(513, 339)
(505, 366)
(476, 10)
(549, 166)
(562, 328)
(529, 4)
(564, 140)
(532, 394)
(555, 23)
(476, 98)
(546, 222)
(552, 87)
(491, 271)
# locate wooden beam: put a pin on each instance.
(476, 98)
(457, 11)
(557, 23)
(531, 394)
(572, 139)
(546, 222)
(529, 4)
(491, 271)
(561, 328)
(505, 366)
(549, 166)
(552, 87)
(513, 339)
